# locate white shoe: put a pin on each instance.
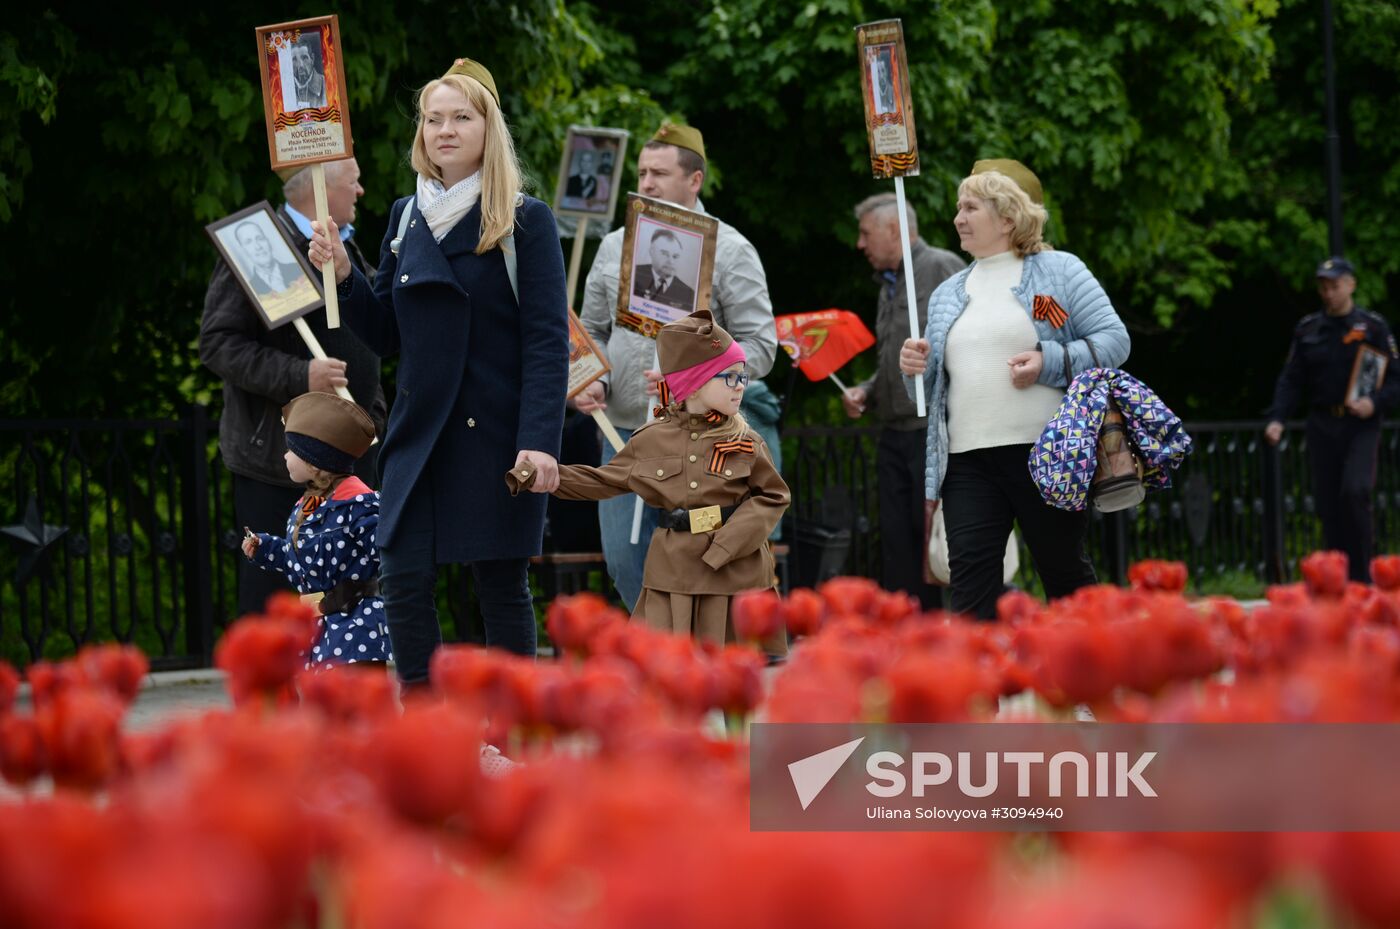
(494, 764)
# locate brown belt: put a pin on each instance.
(341, 597)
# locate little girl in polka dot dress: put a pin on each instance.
(329, 548)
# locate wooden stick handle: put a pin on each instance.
(920, 406)
(609, 431)
(314, 344)
(323, 213)
(576, 258)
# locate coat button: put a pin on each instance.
(692, 457)
(693, 485)
(403, 278)
(412, 223)
(660, 472)
(728, 473)
(471, 423)
(695, 435)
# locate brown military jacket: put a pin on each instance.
(672, 464)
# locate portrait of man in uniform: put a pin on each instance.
(659, 281)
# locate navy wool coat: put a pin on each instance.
(480, 377)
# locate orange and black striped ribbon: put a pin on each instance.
(306, 115)
(1045, 309)
(309, 504)
(723, 450)
(714, 417)
(663, 398)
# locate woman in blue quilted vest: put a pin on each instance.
(1005, 337)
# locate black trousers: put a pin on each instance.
(984, 492)
(1342, 454)
(261, 507)
(899, 471)
(408, 581)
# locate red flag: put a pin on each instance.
(821, 342)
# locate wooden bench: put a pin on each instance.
(572, 572)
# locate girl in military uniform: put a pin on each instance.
(708, 473)
(329, 548)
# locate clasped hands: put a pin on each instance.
(1025, 366)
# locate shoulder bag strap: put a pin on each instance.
(397, 240)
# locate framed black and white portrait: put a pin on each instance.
(278, 280)
(590, 172)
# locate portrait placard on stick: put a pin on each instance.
(586, 365)
(304, 98)
(590, 176)
(279, 281)
(889, 106)
(668, 261)
(894, 145)
(590, 172)
(305, 108)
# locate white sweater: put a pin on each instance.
(984, 410)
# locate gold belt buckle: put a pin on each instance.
(705, 519)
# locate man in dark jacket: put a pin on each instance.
(899, 460)
(1343, 430)
(263, 369)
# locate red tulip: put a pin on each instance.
(9, 685)
(851, 595)
(1385, 572)
(347, 694)
(1169, 576)
(804, 612)
(262, 657)
(117, 668)
(572, 622)
(21, 749)
(81, 731)
(1325, 573)
(757, 615)
(430, 763)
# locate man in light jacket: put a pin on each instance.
(671, 167)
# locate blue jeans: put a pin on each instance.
(625, 560)
(408, 583)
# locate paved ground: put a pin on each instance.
(167, 695)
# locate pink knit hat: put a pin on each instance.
(691, 351)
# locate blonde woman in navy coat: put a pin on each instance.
(482, 374)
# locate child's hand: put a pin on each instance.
(250, 544)
(545, 468)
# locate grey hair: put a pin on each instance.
(888, 203)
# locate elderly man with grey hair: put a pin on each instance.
(899, 461)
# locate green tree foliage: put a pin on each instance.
(1180, 143)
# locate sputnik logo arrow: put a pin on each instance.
(810, 775)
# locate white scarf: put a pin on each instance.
(443, 207)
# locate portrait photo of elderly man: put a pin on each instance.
(266, 274)
(658, 281)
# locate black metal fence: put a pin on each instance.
(124, 530)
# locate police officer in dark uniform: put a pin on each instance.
(1343, 433)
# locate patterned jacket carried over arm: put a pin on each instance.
(1063, 461)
